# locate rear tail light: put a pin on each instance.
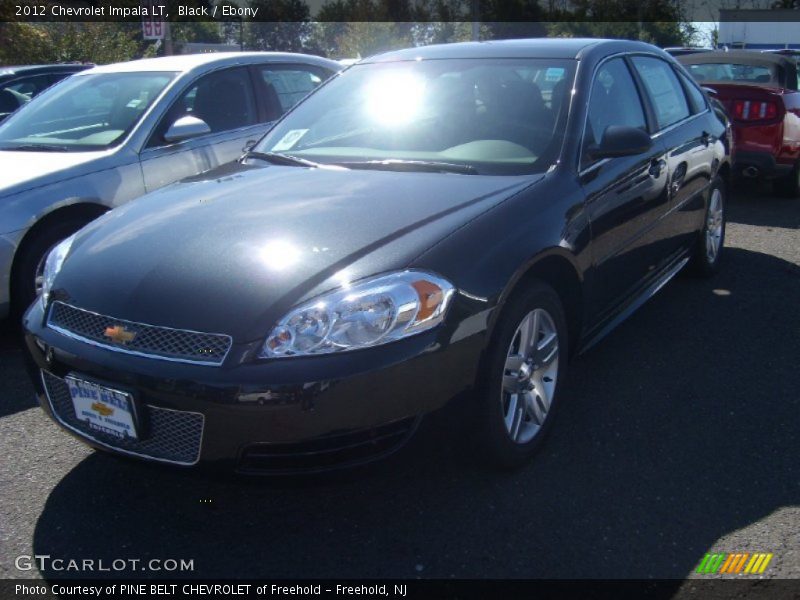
(754, 110)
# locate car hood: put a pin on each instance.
(20, 171)
(229, 253)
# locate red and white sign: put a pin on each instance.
(152, 26)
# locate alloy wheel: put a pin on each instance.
(714, 225)
(530, 375)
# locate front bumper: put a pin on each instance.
(271, 416)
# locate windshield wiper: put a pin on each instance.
(394, 164)
(37, 148)
(277, 158)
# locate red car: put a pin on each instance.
(760, 92)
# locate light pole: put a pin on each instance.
(476, 25)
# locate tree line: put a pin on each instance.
(350, 28)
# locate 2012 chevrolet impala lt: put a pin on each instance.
(432, 224)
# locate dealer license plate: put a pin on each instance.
(103, 409)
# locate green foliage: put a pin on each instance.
(286, 29)
(352, 28)
(659, 33)
(659, 22)
(69, 42)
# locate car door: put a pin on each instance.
(625, 196)
(688, 142)
(225, 101)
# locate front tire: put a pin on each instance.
(708, 251)
(25, 282)
(525, 366)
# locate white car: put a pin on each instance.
(113, 133)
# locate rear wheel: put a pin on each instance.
(708, 250)
(788, 186)
(525, 365)
(26, 280)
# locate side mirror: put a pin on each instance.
(249, 145)
(621, 140)
(186, 128)
(709, 91)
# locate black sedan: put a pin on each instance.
(433, 224)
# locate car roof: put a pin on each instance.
(523, 48)
(183, 63)
(749, 56)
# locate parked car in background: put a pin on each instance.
(443, 222)
(790, 52)
(19, 84)
(760, 93)
(113, 133)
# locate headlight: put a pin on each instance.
(52, 265)
(372, 312)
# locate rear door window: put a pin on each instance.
(285, 85)
(665, 91)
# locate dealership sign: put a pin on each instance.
(152, 20)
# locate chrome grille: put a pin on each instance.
(172, 436)
(150, 340)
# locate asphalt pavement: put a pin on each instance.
(679, 436)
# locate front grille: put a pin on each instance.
(329, 452)
(147, 340)
(172, 436)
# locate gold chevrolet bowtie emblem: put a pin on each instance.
(101, 409)
(119, 334)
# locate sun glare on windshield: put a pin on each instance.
(394, 99)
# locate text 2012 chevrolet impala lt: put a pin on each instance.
(445, 222)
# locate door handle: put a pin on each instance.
(705, 138)
(656, 165)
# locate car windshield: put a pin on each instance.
(731, 72)
(489, 116)
(84, 112)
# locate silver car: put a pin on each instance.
(113, 133)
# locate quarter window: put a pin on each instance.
(664, 90)
(614, 101)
